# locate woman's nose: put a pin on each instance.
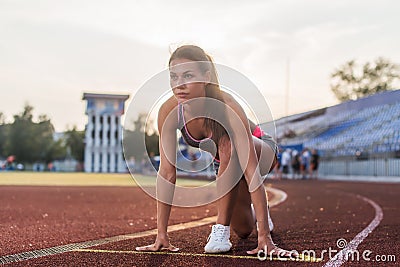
(180, 83)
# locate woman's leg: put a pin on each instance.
(234, 207)
(227, 179)
(242, 218)
(228, 172)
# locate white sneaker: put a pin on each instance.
(218, 240)
(270, 223)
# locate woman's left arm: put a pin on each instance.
(243, 142)
(239, 132)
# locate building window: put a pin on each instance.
(92, 163)
(116, 162)
(100, 162)
(108, 162)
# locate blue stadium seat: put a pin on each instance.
(370, 124)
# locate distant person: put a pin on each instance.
(305, 163)
(191, 79)
(296, 162)
(314, 164)
(50, 167)
(277, 173)
(285, 161)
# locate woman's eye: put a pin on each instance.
(188, 76)
(173, 77)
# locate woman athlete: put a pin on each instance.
(239, 146)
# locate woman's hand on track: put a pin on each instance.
(159, 245)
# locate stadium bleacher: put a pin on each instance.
(369, 125)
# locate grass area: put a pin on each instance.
(83, 179)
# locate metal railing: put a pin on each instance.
(369, 167)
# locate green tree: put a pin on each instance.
(50, 149)
(3, 135)
(2, 118)
(19, 141)
(56, 151)
(45, 147)
(151, 142)
(352, 81)
(30, 141)
(142, 140)
(74, 141)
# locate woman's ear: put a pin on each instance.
(207, 77)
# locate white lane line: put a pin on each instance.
(343, 255)
(279, 197)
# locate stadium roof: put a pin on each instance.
(105, 96)
(387, 97)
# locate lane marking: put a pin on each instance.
(279, 197)
(342, 256)
(303, 258)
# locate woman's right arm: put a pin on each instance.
(166, 176)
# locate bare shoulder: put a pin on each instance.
(169, 105)
(231, 101)
(167, 115)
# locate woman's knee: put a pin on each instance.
(266, 156)
(244, 231)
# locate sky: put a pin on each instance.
(51, 52)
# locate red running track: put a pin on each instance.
(315, 215)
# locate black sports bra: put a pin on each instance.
(206, 144)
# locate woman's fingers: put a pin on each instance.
(171, 248)
(278, 252)
(153, 247)
(254, 251)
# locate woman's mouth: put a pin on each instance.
(181, 95)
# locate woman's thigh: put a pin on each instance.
(266, 156)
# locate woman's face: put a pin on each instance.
(187, 80)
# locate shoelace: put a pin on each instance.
(218, 234)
